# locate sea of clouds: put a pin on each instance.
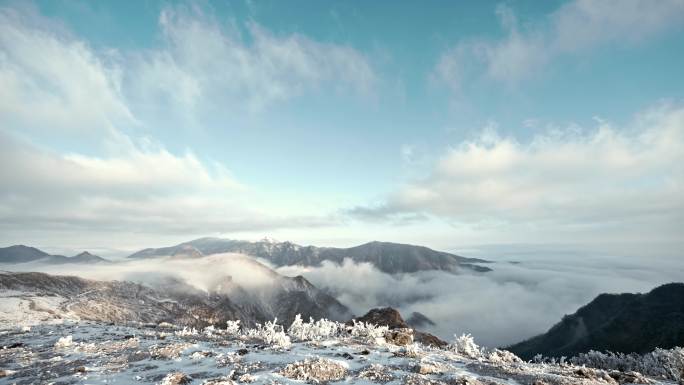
(522, 296)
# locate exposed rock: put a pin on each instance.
(429, 339)
(415, 379)
(219, 381)
(465, 380)
(376, 373)
(392, 318)
(385, 316)
(629, 377)
(399, 337)
(176, 378)
(5, 373)
(595, 374)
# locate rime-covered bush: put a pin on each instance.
(314, 330)
(368, 332)
(662, 363)
(271, 333)
(503, 357)
(233, 327)
(315, 370)
(64, 342)
(465, 345)
(186, 332)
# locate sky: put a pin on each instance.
(462, 126)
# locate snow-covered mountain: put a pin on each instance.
(388, 257)
(25, 254)
(42, 297)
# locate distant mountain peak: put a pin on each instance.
(387, 257)
(21, 254)
(24, 254)
(268, 239)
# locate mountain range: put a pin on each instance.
(23, 254)
(387, 257)
(169, 298)
(621, 323)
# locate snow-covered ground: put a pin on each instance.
(91, 353)
(27, 308)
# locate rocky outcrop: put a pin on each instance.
(392, 319)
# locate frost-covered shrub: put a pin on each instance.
(64, 342)
(413, 350)
(376, 373)
(176, 378)
(219, 381)
(247, 378)
(233, 327)
(465, 345)
(168, 352)
(313, 330)
(271, 333)
(662, 363)
(368, 332)
(502, 357)
(186, 332)
(315, 370)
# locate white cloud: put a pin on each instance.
(205, 61)
(52, 81)
(583, 24)
(145, 190)
(575, 27)
(56, 89)
(603, 180)
(507, 305)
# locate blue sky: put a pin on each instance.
(451, 124)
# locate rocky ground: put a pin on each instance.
(321, 352)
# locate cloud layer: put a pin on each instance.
(507, 305)
(74, 148)
(606, 179)
(574, 28)
(203, 62)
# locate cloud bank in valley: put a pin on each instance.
(507, 305)
(202, 273)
